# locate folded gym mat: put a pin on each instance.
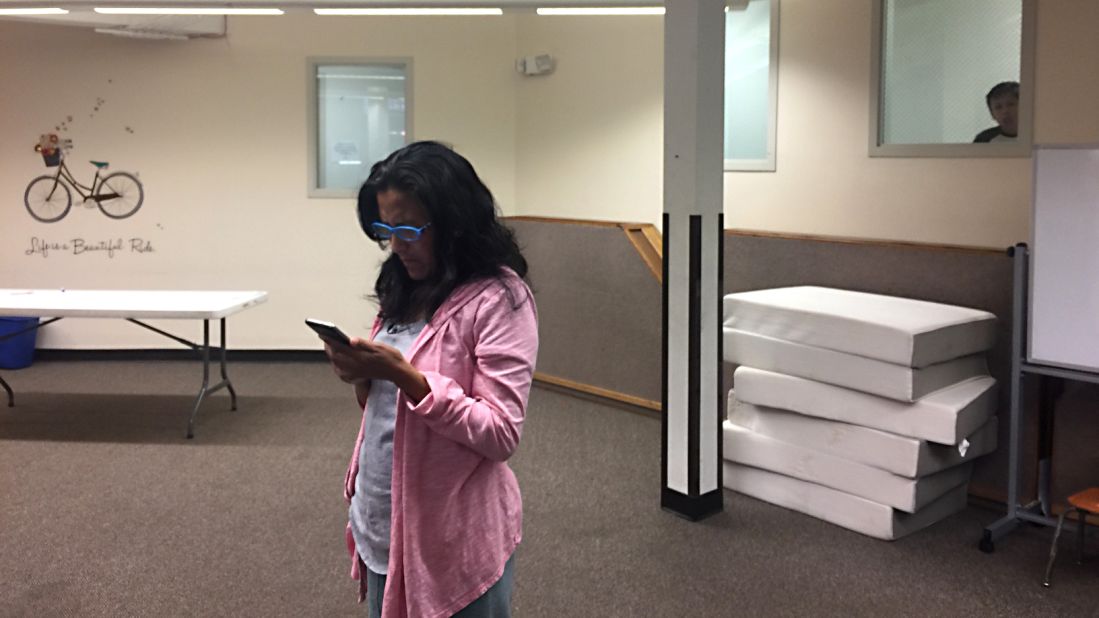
(902, 331)
(837, 507)
(839, 368)
(908, 457)
(746, 447)
(946, 416)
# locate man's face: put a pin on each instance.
(1005, 111)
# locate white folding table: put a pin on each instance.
(134, 306)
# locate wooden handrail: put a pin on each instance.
(654, 236)
(590, 223)
(647, 240)
(597, 391)
(644, 237)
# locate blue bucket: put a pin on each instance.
(17, 352)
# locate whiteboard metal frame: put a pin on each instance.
(1034, 252)
(1022, 363)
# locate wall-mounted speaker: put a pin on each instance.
(535, 65)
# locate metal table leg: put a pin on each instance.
(11, 395)
(224, 373)
(206, 388)
(205, 378)
(204, 350)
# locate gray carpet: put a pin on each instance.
(106, 510)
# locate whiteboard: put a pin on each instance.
(1064, 258)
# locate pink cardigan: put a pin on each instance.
(457, 514)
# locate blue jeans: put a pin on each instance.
(494, 603)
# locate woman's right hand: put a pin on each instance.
(346, 362)
(364, 360)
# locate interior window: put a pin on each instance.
(751, 80)
(359, 116)
(951, 73)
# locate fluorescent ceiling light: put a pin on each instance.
(143, 34)
(339, 76)
(409, 11)
(186, 11)
(622, 10)
(33, 11)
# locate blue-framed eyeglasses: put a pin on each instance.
(406, 233)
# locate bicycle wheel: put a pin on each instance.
(120, 195)
(48, 199)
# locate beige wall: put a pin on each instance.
(826, 184)
(1068, 84)
(590, 135)
(219, 136)
(219, 140)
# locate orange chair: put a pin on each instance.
(1083, 502)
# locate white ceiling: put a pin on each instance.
(143, 26)
(181, 27)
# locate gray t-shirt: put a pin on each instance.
(371, 504)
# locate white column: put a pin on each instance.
(694, 66)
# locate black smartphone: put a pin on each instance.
(328, 331)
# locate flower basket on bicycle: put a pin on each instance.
(52, 158)
(50, 146)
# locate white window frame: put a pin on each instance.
(312, 117)
(766, 164)
(1020, 148)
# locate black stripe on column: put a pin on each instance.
(720, 347)
(692, 509)
(664, 358)
(694, 352)
(694, 506)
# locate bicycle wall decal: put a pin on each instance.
(49, 198)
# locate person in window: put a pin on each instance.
(1003, 104)
(442, 383)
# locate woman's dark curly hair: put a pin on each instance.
(470, 241)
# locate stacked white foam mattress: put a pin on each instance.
(860, 409)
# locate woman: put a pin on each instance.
(435, 513)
